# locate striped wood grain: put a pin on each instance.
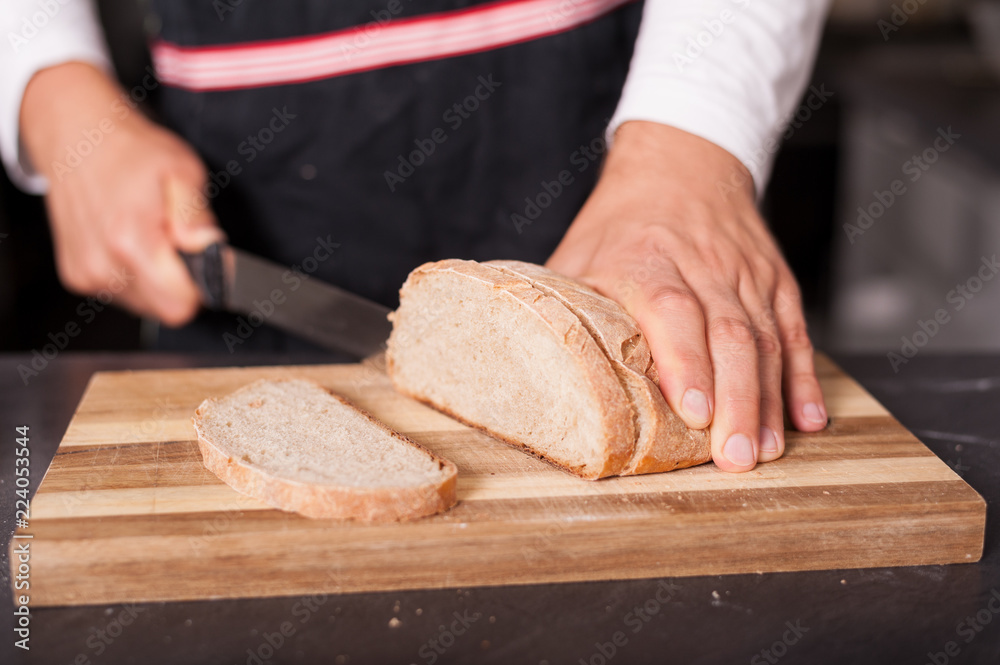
(127, 512)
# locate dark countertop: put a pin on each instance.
(894, 615)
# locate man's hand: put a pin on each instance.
(109, 207)
(704, 278)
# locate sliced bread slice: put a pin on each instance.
(663, 441)
(614, 330)
(297, 447)
(491, 350)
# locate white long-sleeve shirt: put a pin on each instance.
(729, 71)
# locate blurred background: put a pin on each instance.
(885, 195)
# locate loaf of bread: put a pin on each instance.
(296, 446)
(662, 442)
(541, 362)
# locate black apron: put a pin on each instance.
(479, 156)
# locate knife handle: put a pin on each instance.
(207, 272)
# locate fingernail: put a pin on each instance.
(814, 413)
(768, 441)
(695, 405)
(209, 234)
(739, 450)
(197, 239)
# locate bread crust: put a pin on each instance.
(670, 444)
(608, 323)
(617, 416)
(391, 504)
(663, 441)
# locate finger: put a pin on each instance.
(79, 255)
(156, 280)
(673, 322)
(176, 298)
(733, 350)
(772, 430)
(191, 226)
(806, 406)
(145, 295)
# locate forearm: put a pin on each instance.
(65, 108)
(672, 158)
(729, 71)
(653, 171)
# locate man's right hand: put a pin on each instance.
(114, 214)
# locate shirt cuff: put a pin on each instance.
(705, 115)
(729, 71)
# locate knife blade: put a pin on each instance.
(236, 281)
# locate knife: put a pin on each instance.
(236, 281)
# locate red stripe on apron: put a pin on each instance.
(376, 45)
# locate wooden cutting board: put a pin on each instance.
(127, 512)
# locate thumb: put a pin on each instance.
(190, 223)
